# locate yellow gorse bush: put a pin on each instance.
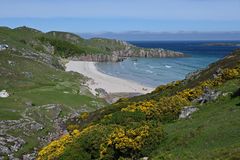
(146, 107)
(199, 90)
(122, 139)
(57, 147)
(153, 108)
(173, 104)
(84, 115)
(231, 73)
(191, 94)
(167, 86)
(128, 140)
(73, 127)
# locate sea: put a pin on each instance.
(153, 72)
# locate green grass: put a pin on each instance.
(19, 38)
(66, 49)
(46, 85)
(65, 44)
(10, 109)
(39, 97)
(32, 142)
(211, 131)
(30, 81)
(61, 44)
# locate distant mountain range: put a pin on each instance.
(164, 36)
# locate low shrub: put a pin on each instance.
(132, 143)
(166, 109)
(123, 118)
(127, 129)
(170, 85)
(87, 145)
(57, 147)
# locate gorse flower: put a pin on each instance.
(57, 147)
(113, 137)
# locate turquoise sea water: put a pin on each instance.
(155, 71)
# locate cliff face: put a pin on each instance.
(141, 52)
(98, 58)
(129, 51)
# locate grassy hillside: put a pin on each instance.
(26, 80)
(18, 38)
(149, 125)
(211, 133)
(39, 95)
(42, 95)
(45, 101)
(69, 45)
(64, 44)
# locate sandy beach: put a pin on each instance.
(100, 80)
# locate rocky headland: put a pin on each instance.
(127, 51)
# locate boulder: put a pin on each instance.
(27, 74)
(36, 126)
(31, 156)
(11, 63)
(187, 111)
(4, 150)
(4, 94)
(29, 103)
(101, 92)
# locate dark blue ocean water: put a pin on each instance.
(155, 71)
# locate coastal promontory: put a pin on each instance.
(32, 43)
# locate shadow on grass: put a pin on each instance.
(236, 94)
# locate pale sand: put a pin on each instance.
(100, 80)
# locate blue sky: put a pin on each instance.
(122, 15)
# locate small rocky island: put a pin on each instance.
(233, 44)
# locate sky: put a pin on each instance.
(122, 15)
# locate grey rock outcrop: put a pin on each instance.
(187, 111)
(48, 59)
(10, 144)
(30, 156)
(129, 51)
(101, 92)
(209, 95)
(141, 52)
(99, 58)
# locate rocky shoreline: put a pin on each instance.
(129, 51)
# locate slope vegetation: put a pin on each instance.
(41, 98)
(69, 45)
(149, 125)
